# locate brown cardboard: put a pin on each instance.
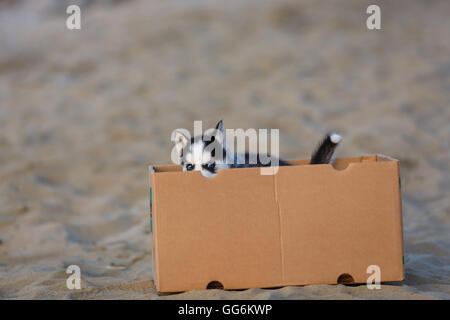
(307, 224)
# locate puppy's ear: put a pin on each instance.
(219, 126)
(220, 132)
(180, 138)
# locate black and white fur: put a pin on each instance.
(198, 153)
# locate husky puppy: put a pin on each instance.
(199, 153)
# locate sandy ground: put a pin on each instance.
(82, 114)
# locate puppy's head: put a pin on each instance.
(205, 153)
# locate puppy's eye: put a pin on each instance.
(211, 165)
(189, 167)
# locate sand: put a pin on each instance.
(83, 113)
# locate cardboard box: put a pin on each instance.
(307, 224)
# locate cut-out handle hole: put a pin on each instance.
(214, 285)
(345, 278)
(339, 165)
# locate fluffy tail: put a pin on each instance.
(325, 150)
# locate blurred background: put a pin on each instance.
(84, 112)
